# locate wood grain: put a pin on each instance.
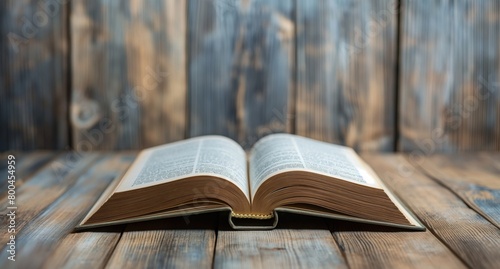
(33, 75)
(473, 178)
(493, 156)
(3, 161)
(369, 246)
(471, 237)
(45, 231)
(298, 242)
(241, 70)
(44, 188)
(346, 71)
(170, 243)
(450, 76)
(26, 166)
(90, 249)
(56, 198)
(85, 249)
(129, 73)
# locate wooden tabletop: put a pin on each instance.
(456, 197)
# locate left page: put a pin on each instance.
(207, 155)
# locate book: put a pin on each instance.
(281, 173)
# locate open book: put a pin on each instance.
(281, 173)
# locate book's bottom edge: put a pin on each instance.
(83, 227)
(348, 218)
(238, 223)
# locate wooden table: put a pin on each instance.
(456, 197)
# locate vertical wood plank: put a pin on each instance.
(346, 61)
(241, 73)
(129, 73)
(33, 74)
(450, 76)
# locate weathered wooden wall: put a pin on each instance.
(420, 76)
(450, 76)
(33, 75)
(346, 60)
(241, 68)
(128, 73)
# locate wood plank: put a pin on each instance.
(25, 167)
(129, 73)
(369, 246)
(4, 159)
(493, 156)
(297, 242)
(472, 177)
(44, 231)
(85, 249)
(471, 237)
(45, 188)
(346, 63)
(241, 73)
(33, 75)
(91, 249)
(450, 76)
(168, 243)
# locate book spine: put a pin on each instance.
(252, 216)
(253, 221)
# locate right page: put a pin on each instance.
(302, 175)
(278, 153)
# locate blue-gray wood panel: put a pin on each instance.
(450, 76)
(95, 75)
(241, 70)
(33, 75)
(128, 72)
(346, 62)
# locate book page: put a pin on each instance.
(284, 152)
(207, 155)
